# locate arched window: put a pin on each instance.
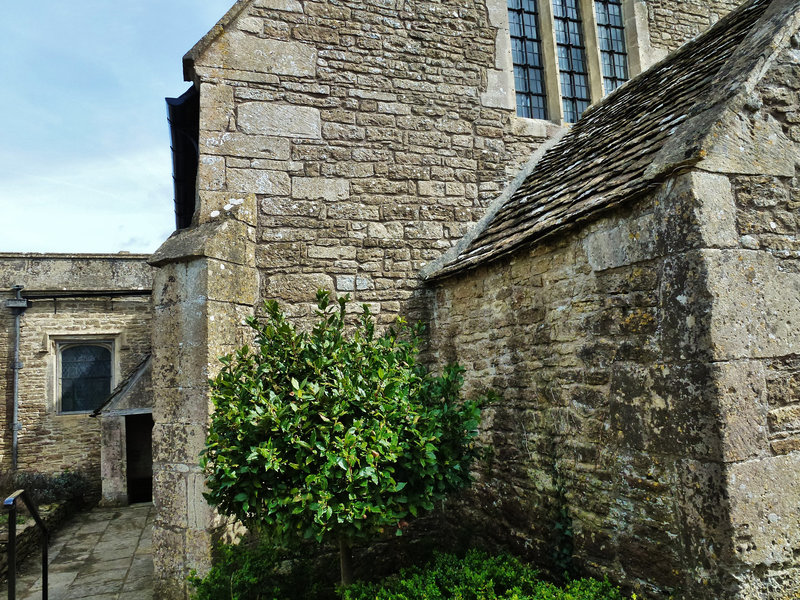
(84, 376)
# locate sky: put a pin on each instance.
(85, 163)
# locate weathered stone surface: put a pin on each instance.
(252, 181)
(757, 305)
(764, 511)
(216, 106)
(671, 24)
(297, 287)
(241, 51)
(249, 146)
(211, 172)
(499, 93)
(112, 462)
(630, 242)
(742, 390)
(316, 188)
(752, 145)
(279, 119)
(286, 5)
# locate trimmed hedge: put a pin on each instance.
(478, 576)
(260, 572)
(255, 571)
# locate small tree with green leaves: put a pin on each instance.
(334, 435)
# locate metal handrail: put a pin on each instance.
(10, 504)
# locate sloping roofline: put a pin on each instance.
(668, 113)
(200, 47)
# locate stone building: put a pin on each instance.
(631, 294)
(627, 284)
(77, 327)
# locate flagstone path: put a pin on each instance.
(102, 554)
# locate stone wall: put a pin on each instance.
(648, 375)
(370, 150)
(675, 22)
(344, 145)
(50, 442)
(604, 424)
(759, 329)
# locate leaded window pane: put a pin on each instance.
(523, 19)
(85, 377)
(611, 35)
(571, 59)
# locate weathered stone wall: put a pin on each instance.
(367, 136)
(344, 145)
(50, 442)
(675, 22)
(758, 331)
(648, 374)
(605, 423)
(205, 286)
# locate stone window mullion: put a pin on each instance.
(550, 54)
(593, 58)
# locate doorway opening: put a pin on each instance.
(139, 457)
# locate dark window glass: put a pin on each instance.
(85, 377)
(526, 50)
(571, 59)
(611, 35)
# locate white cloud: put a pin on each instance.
(83, 94)
(104, 205)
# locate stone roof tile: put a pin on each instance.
(607, 157)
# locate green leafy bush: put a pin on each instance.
(255, 571)
(46, 488)
(260, 572)
(333, 436)
(478, 576)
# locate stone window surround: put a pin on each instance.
(500, 81)
(55, 342)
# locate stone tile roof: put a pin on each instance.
(119, 393)
(608, 155)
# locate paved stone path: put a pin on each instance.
(103, 554)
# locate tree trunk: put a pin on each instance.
(345, 562)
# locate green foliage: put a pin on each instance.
(260, 572)
(255, 571)
(478, 577)
(334, 436)
(45, 488)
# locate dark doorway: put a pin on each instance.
(139, 455)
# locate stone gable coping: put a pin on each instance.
(653, 126)
(205, 42)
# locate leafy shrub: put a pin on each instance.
(255, 571)
(260, 572)
(335, 435)
(478, 577)
(46, 488)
